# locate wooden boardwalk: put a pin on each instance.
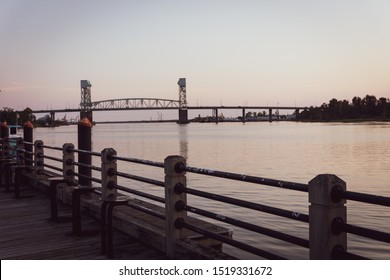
(26, 232)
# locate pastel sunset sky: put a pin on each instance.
(231, 52)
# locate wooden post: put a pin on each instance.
(173, 178)
(84, 133)
(20, 150)
(322, 211)
(38, 161)
(109, 180)
(28, 137)
(4, 130)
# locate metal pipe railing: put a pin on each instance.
(251, 227)
(180, 223)
(250, 205)
(338, 194)
(245, 178)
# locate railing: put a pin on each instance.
(327, 196)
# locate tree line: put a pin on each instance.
(368, 107)
(10, 116)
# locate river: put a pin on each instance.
(358, 153)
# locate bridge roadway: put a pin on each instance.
(159, 104)
(175, 108)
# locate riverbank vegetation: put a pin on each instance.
(13, 117)
(360, 109)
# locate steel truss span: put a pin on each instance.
(134, 103)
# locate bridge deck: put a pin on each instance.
(27, 233)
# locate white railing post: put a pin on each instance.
(68, 162)
(38, 161)
(173, 178)
(322, 212)
(109, 179)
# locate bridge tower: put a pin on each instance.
(85, 103)
(183, 112)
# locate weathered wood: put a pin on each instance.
(38, 160)
(68, 162)
(31, 224)
(322, 211)
(109, 181)
(173, 178)
(27, 233)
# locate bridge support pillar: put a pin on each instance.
(52, 117)
(183, 116)
(215, 113)
(86, 114)
(270, 115)
(243, 115)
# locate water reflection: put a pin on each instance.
(183, 140)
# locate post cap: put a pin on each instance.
(85, 122)
(28, 124)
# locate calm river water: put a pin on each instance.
(359, 153)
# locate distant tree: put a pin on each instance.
(367, 107)
(370, 104)
(26, 115)
(9, 115)
(248, 114)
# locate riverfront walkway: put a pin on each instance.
(26, 232)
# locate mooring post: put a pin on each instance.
(323, 211)
(174, 179)
(4, 130)
(28, 137)
(84, 134)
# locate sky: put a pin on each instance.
(254, 53)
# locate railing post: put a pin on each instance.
(17, 170)
(323, 211)
(109, 178)
(173, 178)
(38, 160)
(20, 151)
(68, 162)
(28, 137)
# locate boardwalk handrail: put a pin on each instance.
(327, 198)
(245, 178)
(337, 194)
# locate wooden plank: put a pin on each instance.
(27, 233)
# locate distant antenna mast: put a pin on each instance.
(182, 93)
(85, 103)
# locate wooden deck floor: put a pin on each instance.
(26, 232)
